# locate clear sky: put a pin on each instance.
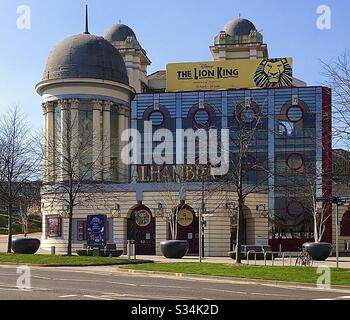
(170, 31)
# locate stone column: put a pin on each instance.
(123, 124)
(49, 140)
(45, 144)
(97, 152)
(74, 115)
(127, 126)
(107, 140)
(162, 227)
(120, 233)
(66, 140)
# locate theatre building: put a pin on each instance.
(102, 85)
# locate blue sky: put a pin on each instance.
(170, 31)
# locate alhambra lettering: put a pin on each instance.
(186, 173)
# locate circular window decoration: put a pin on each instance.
(295, 209)
(143, 218)
(295, 161)
(247, 115)
(185, 218)
(201, 118)
(295, 113)
(157, 117)
(250, 161)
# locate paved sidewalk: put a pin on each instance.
(331, 262)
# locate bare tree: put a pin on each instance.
(310, 189)
(337, 74)
(29, 204)
(249, 121)
(19, 161)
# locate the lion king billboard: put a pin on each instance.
(230, 74)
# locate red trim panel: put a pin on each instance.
(327, 156)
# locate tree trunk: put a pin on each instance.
(9, 232)
(239, 232)
(316, 236)
(70, 233)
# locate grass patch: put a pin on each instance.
(290, 274)
(46, 260)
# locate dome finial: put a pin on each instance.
(86, 20)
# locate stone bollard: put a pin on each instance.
(53, 250)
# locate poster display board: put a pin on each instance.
(230, 74)
(96, 229)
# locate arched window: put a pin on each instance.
(345, 225)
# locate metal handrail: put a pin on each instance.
(288, 254)
(265, 254)
(248, 253)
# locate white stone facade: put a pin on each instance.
(217, 237)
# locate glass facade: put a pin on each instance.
(286, 147)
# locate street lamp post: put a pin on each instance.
(200, 235)
(201, 215)
(337, 230)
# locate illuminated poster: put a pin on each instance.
(230, 74)
(96, 230)
(54, 229)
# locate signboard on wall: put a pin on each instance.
(96, 227)
(262, 241)
(54, 229)
(230, 74)
(185, 218)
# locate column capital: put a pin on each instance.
(48, 107)
(74, 103)
(107, 105)
(126, 111)
(64, 104)
(97, 105)
(123, 110)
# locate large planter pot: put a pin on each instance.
(174, 249)
(318, 251)
(25, 246)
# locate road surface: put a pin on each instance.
(101, 284)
